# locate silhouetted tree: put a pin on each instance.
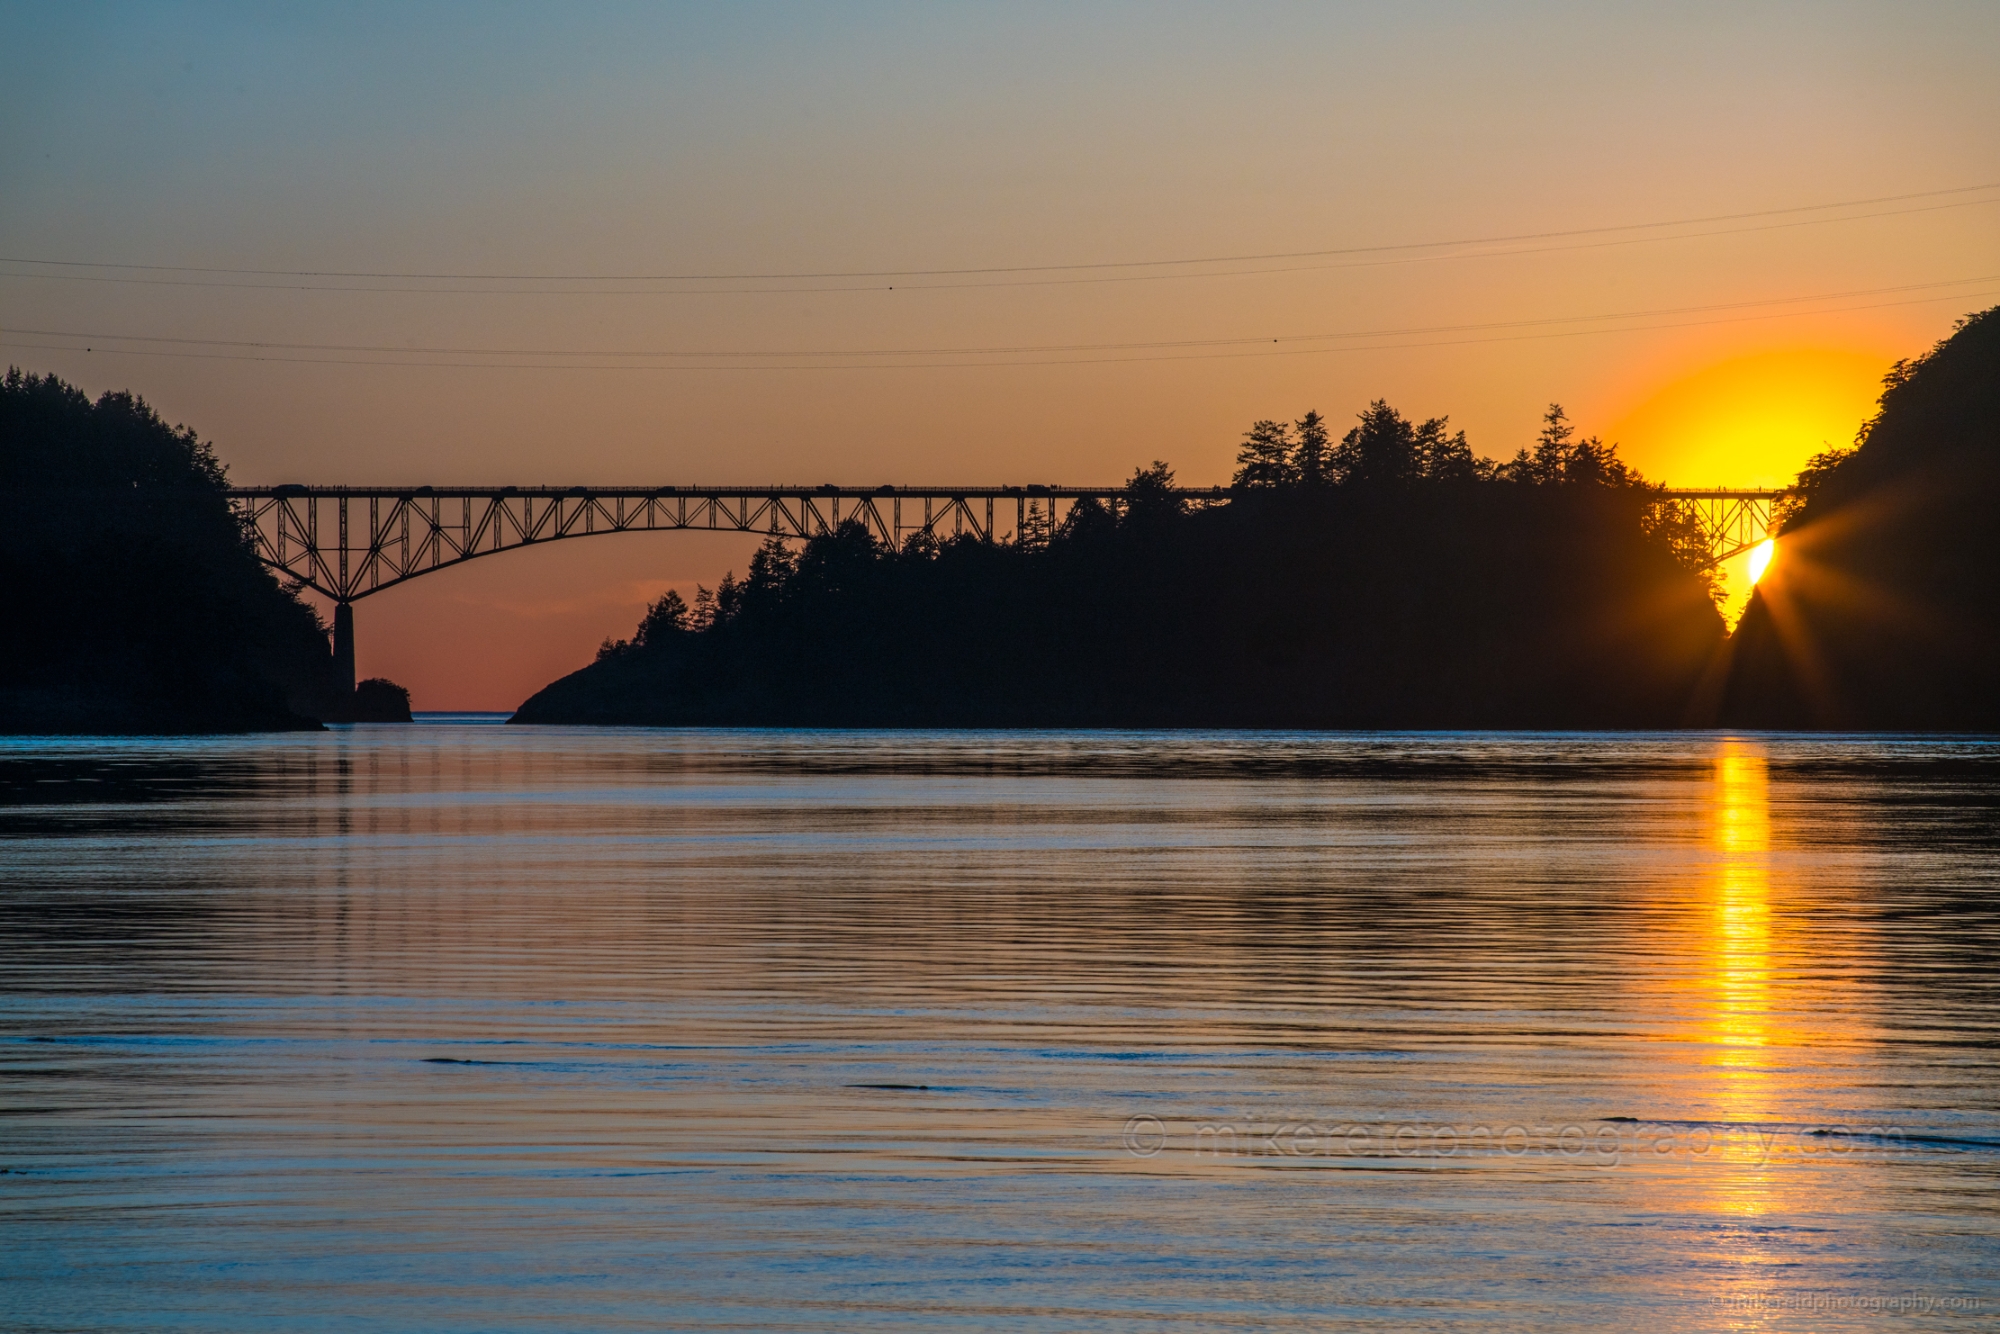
(1266, 457)
(1036, 527)
(1559, 458)
(1312, 454)
(1543, 466)
(703, 615)
(1447, 458)
(838, 563)
(1820, 469)
(665, 619)
(1381, 451)
(728, 599)
(1150, 501)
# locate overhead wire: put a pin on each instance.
(1008, 276)
(1001, 349)
(1172, 351)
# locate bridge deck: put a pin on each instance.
(766, 489)
(855, 492)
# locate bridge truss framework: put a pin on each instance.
(1731, 521)
(348, 542)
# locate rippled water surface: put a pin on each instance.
(485, 1028)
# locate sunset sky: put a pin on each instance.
(918, 243)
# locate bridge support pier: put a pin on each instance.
(343, 646)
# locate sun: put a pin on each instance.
(1760, 558)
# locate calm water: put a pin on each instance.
(469, 1027)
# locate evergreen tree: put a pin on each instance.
(1883, 609)
(1558, 458)
(664, 620)
(1266, 457)
(1381, 451)
(1036, 529)
(1312, 455)
(1446, 458)
(1150, 498)
(1543, 466)
(771, 565)
(839, 561)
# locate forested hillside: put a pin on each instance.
(1882, 609)
(132, 600)
(1387, 578)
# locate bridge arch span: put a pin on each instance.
(347, 543)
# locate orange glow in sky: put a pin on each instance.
(1752, 421)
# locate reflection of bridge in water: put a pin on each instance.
(347, 542)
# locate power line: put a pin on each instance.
(997, 350)
(965, 286)
(1012, 271)
(265, 356)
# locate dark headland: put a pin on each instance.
(1384, 579)
(131, 597)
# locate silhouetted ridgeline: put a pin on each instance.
(1389, 579)
(1883, 607)
(131, 600)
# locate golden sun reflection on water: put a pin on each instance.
(1739, 970)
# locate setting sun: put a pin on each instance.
(1760, 558)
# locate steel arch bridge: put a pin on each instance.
(349, 542)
